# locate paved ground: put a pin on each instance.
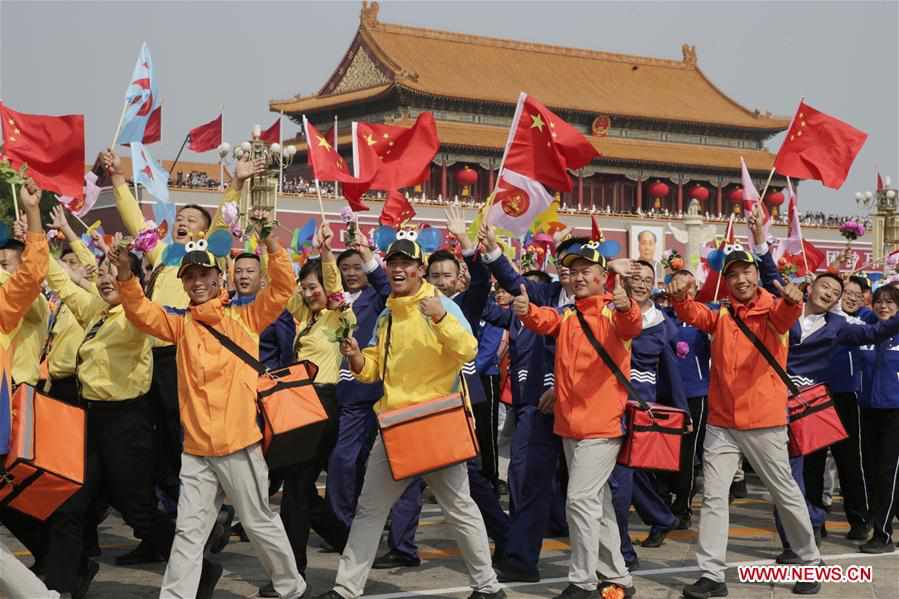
(664, 570)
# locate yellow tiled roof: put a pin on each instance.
(471, 67)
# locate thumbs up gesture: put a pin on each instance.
(791, 293)
(521, 303)
(433, 307)
(619, 296)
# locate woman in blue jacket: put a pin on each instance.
(879, 401)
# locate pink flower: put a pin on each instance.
(147, 239)
(852, 230)
(230, 213)
(683, 348)
(346, 215)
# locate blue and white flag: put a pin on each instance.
(147, 172)
(141, 99)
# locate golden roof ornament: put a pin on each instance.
(369, 14)
(689, 53)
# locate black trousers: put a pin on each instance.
(880, 445)
(163, 399)
(486, 419)
(119, 469)
(848, 456)
(302, 508)
(682, 482)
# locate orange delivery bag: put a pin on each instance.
(45, 464)
(428, 436)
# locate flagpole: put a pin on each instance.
(178, 155)
(767, 183)
(321, 205)
(118, 128)
(221, 158)
(730, 227)
(509, 138)
(15, 199)
(318, 189)
(281, 158)
(799, 229)
(336, 182)
(78, 218)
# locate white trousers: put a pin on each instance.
(593, 529)
(766, 450)
(17, 581)
(243, 477)
(380, 492)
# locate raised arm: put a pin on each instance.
(542, 320)
(868, 334)
(23, 287)
(270, 302)
(149, 317)
(85, 306)
(787, 308)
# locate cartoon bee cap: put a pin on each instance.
(197, 254)
(406, 244)
(734, 253)
(589, 251)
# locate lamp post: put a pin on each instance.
(882, 205)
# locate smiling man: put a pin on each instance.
(164, 287)
(420, 344)
(222, 451)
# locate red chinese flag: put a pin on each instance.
(272, 135)
(813, 256)
(153, 131)
(395, 157)
(819, 146)
(543, 146)
(328, 165)
(51, 146)
(595, 230)
(396, 210)
(206, 137)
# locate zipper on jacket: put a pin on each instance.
(698, 367)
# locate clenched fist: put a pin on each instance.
(679, 287)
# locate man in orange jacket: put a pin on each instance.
(16, 296)
(588, 411)
(217, 391)
(747, 414)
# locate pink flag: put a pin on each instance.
(794, 249)
(751, 195)
(78, 206)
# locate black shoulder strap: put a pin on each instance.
(387, 346)
(764, 351)
(234, 348)
(610, 364)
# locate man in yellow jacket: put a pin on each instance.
(217, 401)
(420, 344)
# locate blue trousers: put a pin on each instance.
(406, 512)
(539, 503)
(815, 513)
(357, 428)
(637, 487)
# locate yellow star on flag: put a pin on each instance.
(536, 122)
(370, 140)
(323, 143)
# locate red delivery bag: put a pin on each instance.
(814, 422)
(654, 435)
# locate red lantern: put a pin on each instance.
(736, 196)
(658, 190)
(466, 177)
(699, 193)
(776, 198)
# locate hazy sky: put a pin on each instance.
(77, 57)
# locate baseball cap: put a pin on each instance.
(734, 254)
(405, 247)
(589, 251)
(197, 254)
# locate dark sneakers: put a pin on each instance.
(391, 559)
(859, 532)
(144, 553)
(655, 539)
(788, 557)
(633, 564)
(268, 591)
(506, 572)
(705, 588)
(806, 588)
(330, 595)
(500, 594)
(572, 591)
(85, 579)
(876, 546)
(221, 532)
